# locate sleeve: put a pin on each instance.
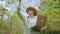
(21, 14)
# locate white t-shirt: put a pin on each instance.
(31, 21)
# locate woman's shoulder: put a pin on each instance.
(25, 17)
(35, 16)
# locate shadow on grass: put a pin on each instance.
(50, 32)
(53, 32)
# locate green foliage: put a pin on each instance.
(51, 10)
(14, 24)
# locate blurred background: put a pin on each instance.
(10, 23)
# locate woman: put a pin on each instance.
(30, 20)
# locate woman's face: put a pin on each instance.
(31, 13)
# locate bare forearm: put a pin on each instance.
(18, 7)
(18, 10)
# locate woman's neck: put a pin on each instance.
(31, 16)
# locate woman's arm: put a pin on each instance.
(19, 12)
